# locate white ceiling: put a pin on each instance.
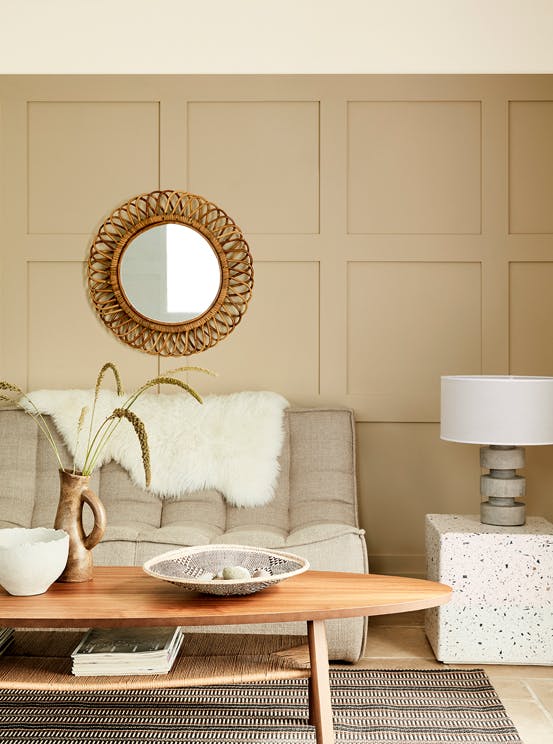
(276, 36)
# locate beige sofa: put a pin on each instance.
(313, 513)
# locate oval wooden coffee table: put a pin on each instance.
(125, 596)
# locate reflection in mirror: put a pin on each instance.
(170, 273)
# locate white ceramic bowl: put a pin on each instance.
(187, 568)
(31, 559)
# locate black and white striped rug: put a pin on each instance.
(400, 706)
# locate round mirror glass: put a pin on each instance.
(170, 273)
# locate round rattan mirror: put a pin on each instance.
(170, 273)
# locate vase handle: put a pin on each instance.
(90, 498)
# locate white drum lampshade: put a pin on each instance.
(503, 412)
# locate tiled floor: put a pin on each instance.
(398, 641)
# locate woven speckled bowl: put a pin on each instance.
(186, 567)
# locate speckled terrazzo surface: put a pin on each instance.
(502, 579)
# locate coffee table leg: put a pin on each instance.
(320, 705)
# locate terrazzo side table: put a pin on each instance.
(502, 580)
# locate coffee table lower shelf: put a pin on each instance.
(125, 596)
(41, 660)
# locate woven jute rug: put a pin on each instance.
(377, 706)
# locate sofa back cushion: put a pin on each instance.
(18, 469)
(322, 475)
(316, 485)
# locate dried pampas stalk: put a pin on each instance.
(8, 386)
(191, 369)
(166, 381)
(140, 430)
(80, 424)
(101, 374)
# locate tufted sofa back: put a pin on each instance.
(316, 488)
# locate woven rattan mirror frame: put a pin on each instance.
(170, 339)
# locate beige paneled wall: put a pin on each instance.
(259, 159)
(401, 228)
(117, 144)
(422, 155)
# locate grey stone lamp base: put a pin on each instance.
(502, 485)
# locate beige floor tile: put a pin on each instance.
(525, 672)
(407, 619)
(533, 725)
(508, 671)
(510, 688)
(397, 642)
(543, 690)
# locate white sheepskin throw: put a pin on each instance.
(230, 443)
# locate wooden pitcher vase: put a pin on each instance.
(74, 494)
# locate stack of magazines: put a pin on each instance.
(6, 637)
(120, 651)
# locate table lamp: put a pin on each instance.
(504, 413)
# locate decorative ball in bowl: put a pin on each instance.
(226, 570)
(31, 559)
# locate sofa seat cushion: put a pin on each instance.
(188, 533)
(260, 536)
(323, 545)
(199, 533)
(205, 507)
(320, 533)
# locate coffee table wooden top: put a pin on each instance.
(124, 596)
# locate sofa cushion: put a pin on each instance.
(322, 470)
(277, 512)
(205, 507)
(323, 546)
(317, 533)
(126, 503)
(18, 453)
(258, 536)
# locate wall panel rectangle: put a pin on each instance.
(414, 167)
(531, 318)
(260, 159)
(531, 166)
(405, 472)
(66, 345)
(409, 323)
(86, 158)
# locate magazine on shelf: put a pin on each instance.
(6, 638)
(120, 651)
